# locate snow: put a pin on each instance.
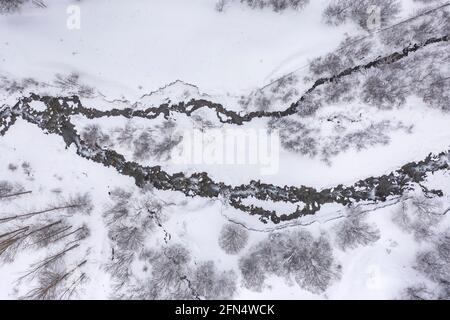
(38, 106)
(127, 44)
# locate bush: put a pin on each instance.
(233, 238)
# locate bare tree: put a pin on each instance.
(120, 268)
(69, 206)
(120, 208)
(9, 190)
(436, 93)
(26, 167)
(125, 136)
(252, 272)
(426, 23)
(71, 84)
(15, 239)
(434, 264)
(11, 242)
(12, 167)
(384, 89)
(309, 104)
(10, 6)
(58, 231)
(295, 136)
(168, 139)
(49, 260)
(233, 238)
(353, 232)
(326, 66)
(276, 5)
(169, 274)
(295, 255)
(49, 233)
(220, 5)
(418, 292)
(172, 276)
(156, 142)
(208, 283)
(126, 237)
(53, 283)
(79, 203)
(418, 215)
(143, 145)
(262, 102)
